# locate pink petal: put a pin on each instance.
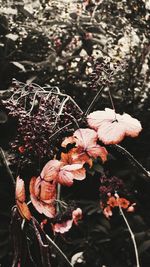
(37, 204)
(43, 208)
(85, 137)
(65, 178)
(111, 133)
(98, 151)
(107, 212)
(20, 190)
(72, 167)
(77, 215)
(70, 172)
(62, 227)
(48, 210)
(50, 170)
(132, 125)
(97, 118)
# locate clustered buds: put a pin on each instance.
(38, 114)
(109, 197)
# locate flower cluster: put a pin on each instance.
(82, 149)
(109, 198)
(38, 113)
(114, 202)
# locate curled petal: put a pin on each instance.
(76, 155)
(68, 140)
(77, 215)
(70, 172)
(42, 196)
(32, 185)
(47, 192)
(62, 227)
(132, 126)
(37, 186)
(50, 170)
(20, 190)
(24, 210)
(85, 137)
(98, 151)
(107, 212)
(20, 199)
(43, 208)
(37, 204)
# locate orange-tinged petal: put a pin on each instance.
(32, 185)
(20, 189)
(66, 158)
(23, 210)
(76, 155)
(42, 196)
(68, 140)
(98, 151)
(112, 202)
(123, 203)
(47, 191)
(20, 199)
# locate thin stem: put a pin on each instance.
(93, 102)
(131, 233)
(61, 129)
(111, 99)
(4, 162)
(58, 196)
(112, 102)
(59, 250)
(74, 119)
(131, 158)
